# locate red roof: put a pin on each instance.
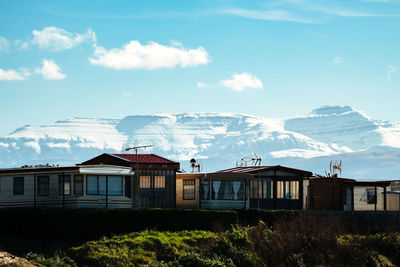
(145, 158)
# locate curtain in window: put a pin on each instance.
(205, 189)
(294, 189)
(280, 189)
(159, 181)
(145, 182)
(236, 186)
(216, 185)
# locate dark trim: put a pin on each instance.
(36, 170)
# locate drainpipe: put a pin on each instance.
(384, 198)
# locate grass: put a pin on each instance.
(304, 240)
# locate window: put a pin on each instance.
(159, 181)
(287, 189)
(67, 184)
(266, 189)
(254, 189)
(205, 190)
(91, 185)
(189, 189)
(98, 185)
(145, 182)
(18, 185)
(294, 189)
(280, 189)
(115, 185)
(369, 196)
(78, 185)
(43, 185)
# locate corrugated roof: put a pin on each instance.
(145, 158)
(255, 169)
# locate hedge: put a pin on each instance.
(86, 224)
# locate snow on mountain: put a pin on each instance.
(218, 139)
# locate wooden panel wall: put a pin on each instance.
(361, 205)
(184, 203)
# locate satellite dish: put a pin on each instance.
(196, 165)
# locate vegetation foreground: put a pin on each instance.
(303, 241)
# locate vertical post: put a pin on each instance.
(152, 180)
(63, 190)
(352, 197)
(138, 177)
(384, 198)
(274, 190)
(106, 191)
(245, 192)
(376, 197)
(34, 190)
(301, 193)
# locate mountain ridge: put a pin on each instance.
(220, 139)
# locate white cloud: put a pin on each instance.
(4, 44)
(272, 15)
(390, 70)
(50, 70)
(240, 82)
(59, 39)
(150, 56)
(22, 44)
(127, 93)
(12, 75)
(204, 85)
(337, 60)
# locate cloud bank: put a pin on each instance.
(149, 56)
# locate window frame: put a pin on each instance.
(64, 179)
(77, 183)
(193, 183)
(106, 180)
(23, 185)
(39, 182)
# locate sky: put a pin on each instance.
(275, 59)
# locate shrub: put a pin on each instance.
(85, 224)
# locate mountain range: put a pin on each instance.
(369, 149)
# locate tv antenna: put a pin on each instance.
(196, 165)
(136, 148)
(335, 167)
(255, 161)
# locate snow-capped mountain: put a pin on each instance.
(370, 149)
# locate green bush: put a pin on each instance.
(270, 217)
(86, 224)
(147, 247)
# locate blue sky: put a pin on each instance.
(109, 59)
